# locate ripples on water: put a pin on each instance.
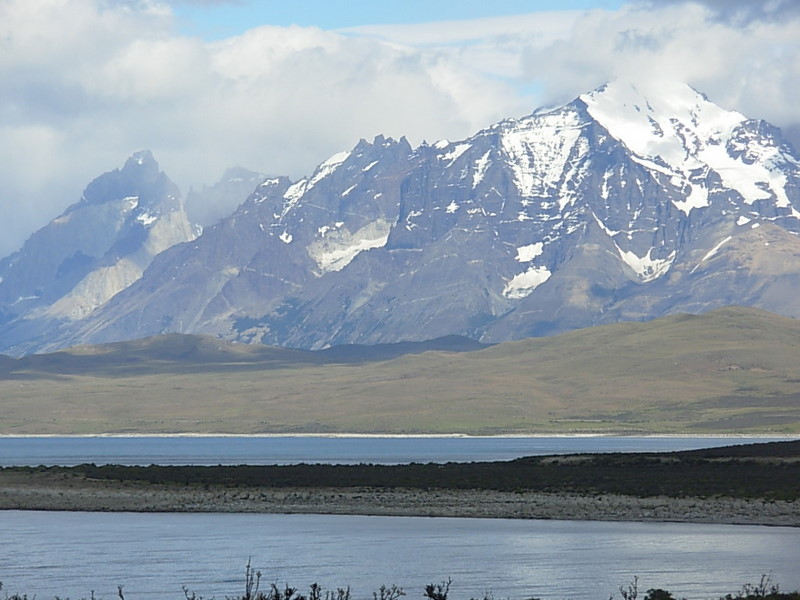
(154, 555)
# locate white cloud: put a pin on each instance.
(85, 83)
(752, 67)
(540, 29)
(740, 12)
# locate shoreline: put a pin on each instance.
(789, 436)
(42, 492)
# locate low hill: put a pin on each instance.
(729, 370)
(179, 353)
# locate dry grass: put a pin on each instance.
(731, 370)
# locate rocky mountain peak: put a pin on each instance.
(142, 160)
(630, 202)
(139, 178)
(97, 247)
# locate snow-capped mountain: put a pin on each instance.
(97, 247)
(627, 203)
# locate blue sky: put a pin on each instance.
(278, 86)
(219, 20)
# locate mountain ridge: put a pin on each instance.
(628, 203)
(95, 248)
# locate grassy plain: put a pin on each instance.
(733, 370)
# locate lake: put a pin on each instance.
(259, 450)
(154, 555)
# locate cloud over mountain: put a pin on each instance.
(85, 83)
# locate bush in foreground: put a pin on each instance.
(764, 590)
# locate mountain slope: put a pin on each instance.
(730, 370)
(249, 263)
(97, 247)
(628, 203)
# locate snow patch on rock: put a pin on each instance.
(716, 248)
(646, 267)
(480, 169)
(452, 156)
(538, 148)
(522, 284)
(674, 130)
(529, 252)
(337, 247)
(328, 167)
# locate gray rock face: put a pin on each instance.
(625, 204)
(97, 247)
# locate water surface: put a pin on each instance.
(262, 450)
(154, 555)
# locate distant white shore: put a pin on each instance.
(790, 436)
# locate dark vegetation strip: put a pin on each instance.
(770, 471)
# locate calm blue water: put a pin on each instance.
(154, 555)
(68, 451)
